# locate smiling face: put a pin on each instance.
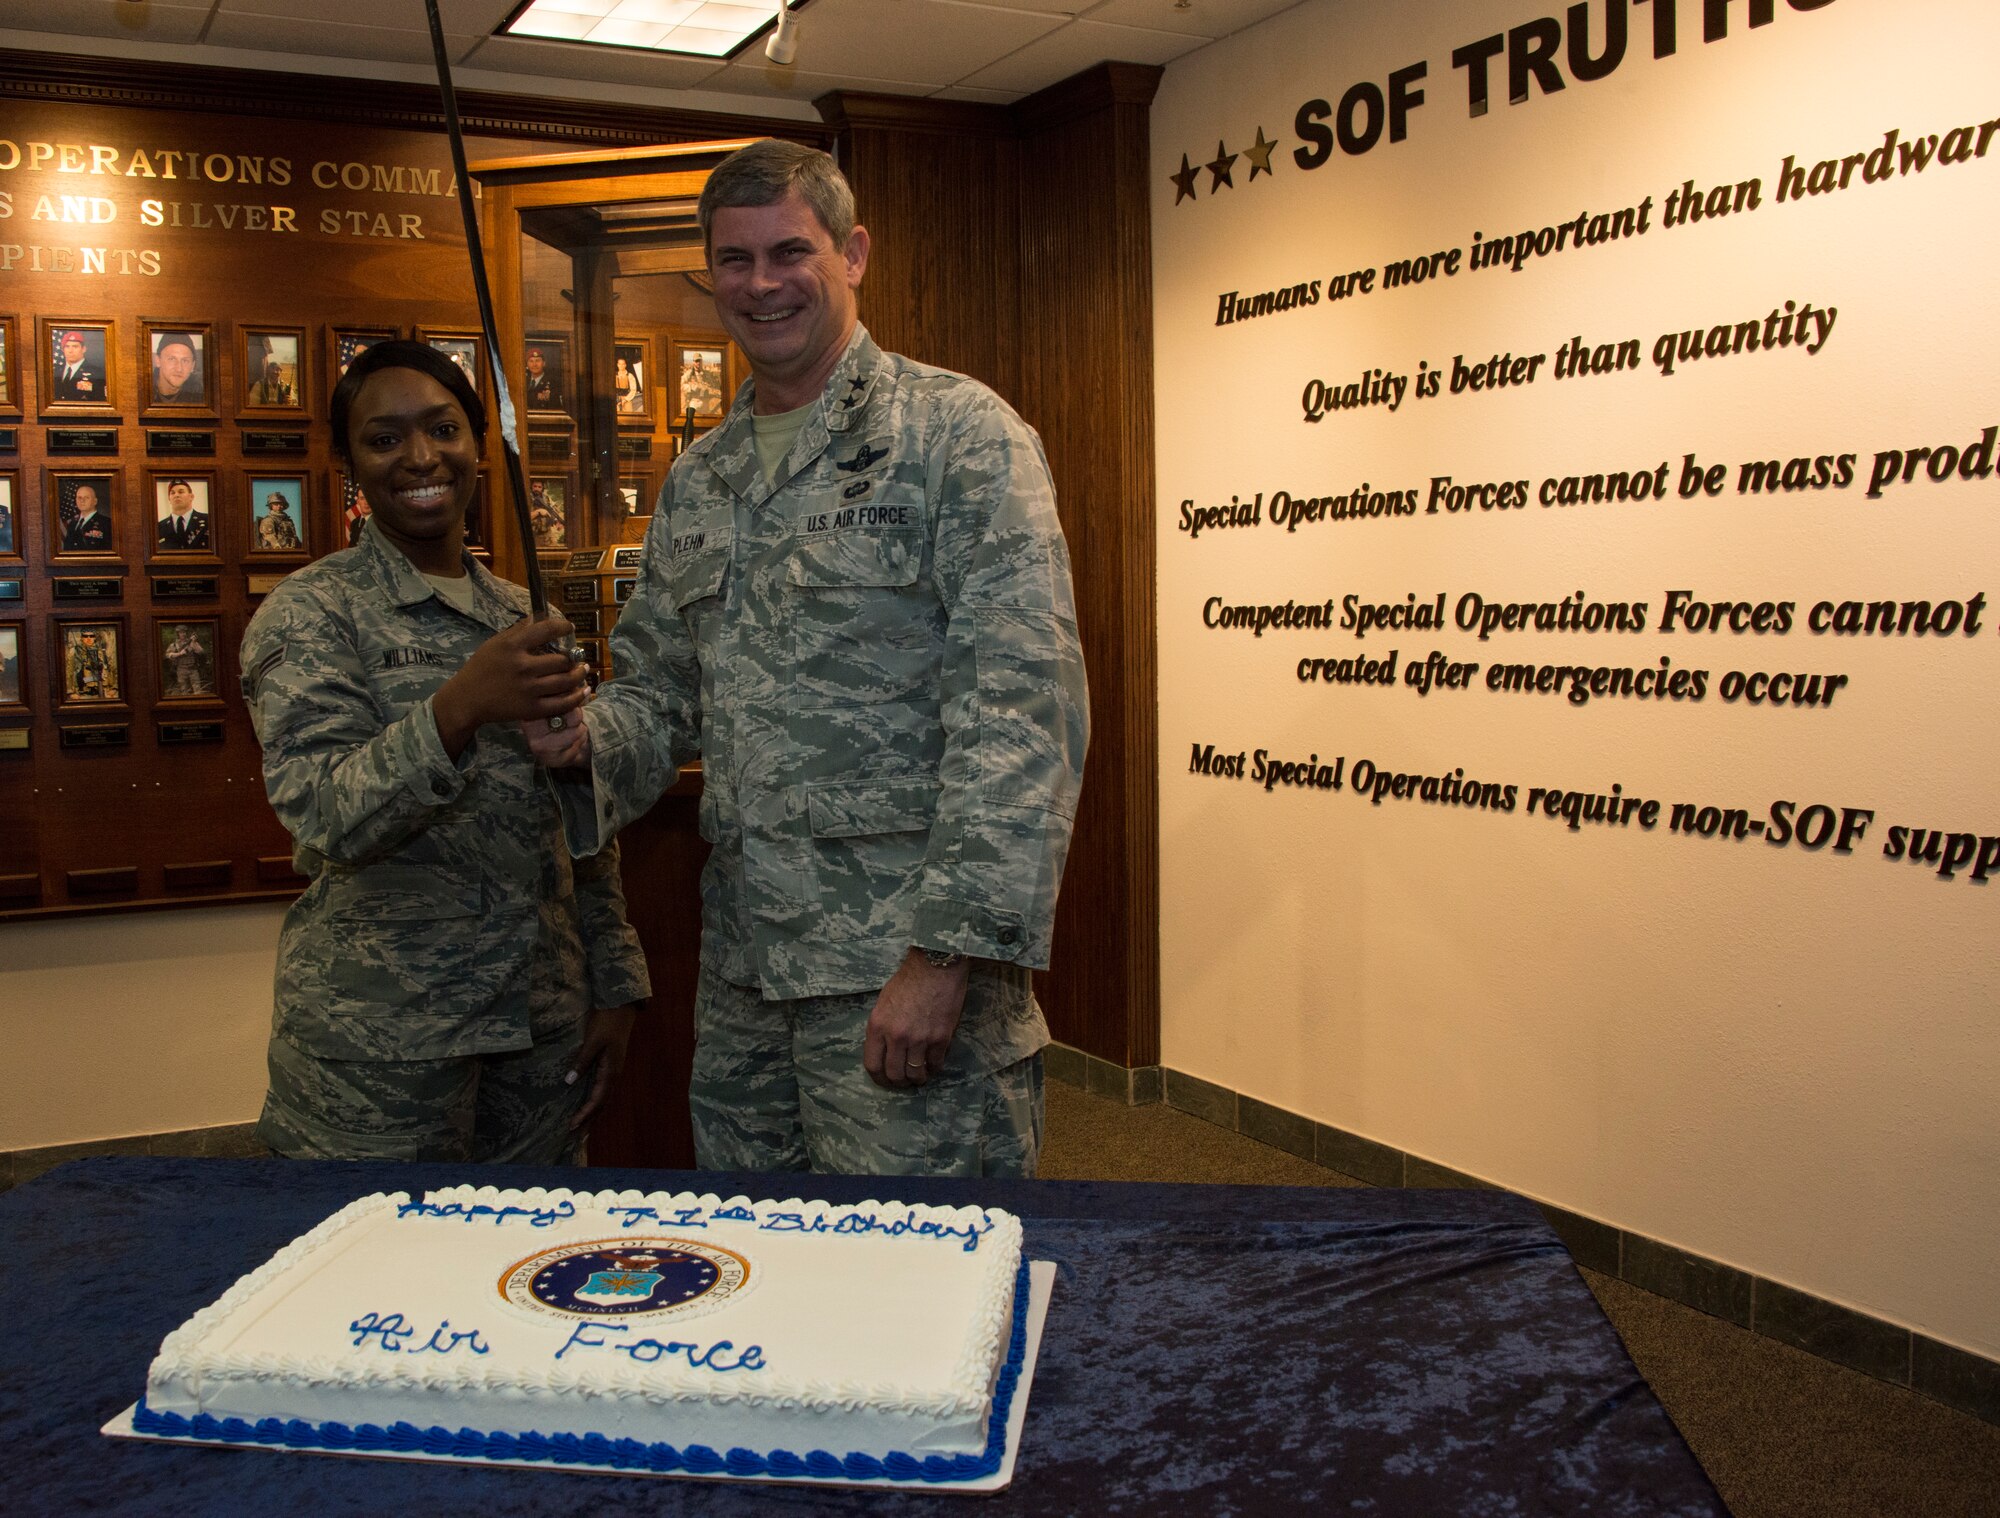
(785, 292)
(416, 460)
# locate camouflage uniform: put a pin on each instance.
(434, 976)
(878, 664)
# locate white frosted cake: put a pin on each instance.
(641, 1330)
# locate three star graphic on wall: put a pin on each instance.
(1221, 168)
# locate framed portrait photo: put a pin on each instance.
(345, 344)
(10, 515)
(280, 515)
(190, 650)
(89, 662)
(178, 378)
(184, 522)
(353, 508)
(13, 668)
(84, 510)
(631, 380)
(463, 349)
(78, 364)
(698, 381)
(10, 366)
(271, 363)
(545, 363)
(548, 509)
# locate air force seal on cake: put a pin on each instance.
(652, 1278)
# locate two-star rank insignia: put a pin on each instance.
(862, 459)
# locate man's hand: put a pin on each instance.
(514, 676)
(606, 1032)
(911, 1028)
(560, 748)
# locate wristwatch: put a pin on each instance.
(942, 959)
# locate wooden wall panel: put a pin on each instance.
(936, 185)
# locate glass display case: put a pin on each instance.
(610, 346)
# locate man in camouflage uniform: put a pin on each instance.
(855, 605)
(443, 959)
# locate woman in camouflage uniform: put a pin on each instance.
(448, 979)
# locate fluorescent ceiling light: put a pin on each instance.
(702, 28)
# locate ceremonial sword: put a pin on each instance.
(510, 444)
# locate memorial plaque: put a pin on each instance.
(548, 448)
(273, 442)
(83, 440)
(584, 558)
(190, 732)
(584, 621)
(108, 735)
(186, 587)
(627, 557)
(93, 589)
(630, 447)
(621, 590)
(172, 440)
(13, 739)
(262, 585)
(10, 439)
(10, 590)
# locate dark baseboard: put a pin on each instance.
(236, 1141)
(1966, 1382)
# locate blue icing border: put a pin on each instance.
(623, 1454)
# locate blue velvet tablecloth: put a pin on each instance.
(1209, 1350)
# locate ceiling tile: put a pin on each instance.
(909, 42)
(535, 59)
(754, 74)
(284, 34)
(460, 17)
(1061, 9)
(1199, 18)
(1076, 47)
(152, 22)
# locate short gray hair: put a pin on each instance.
(766, 172)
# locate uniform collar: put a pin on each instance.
(405, 584)
(732, 449)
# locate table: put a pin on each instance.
(1210, 1350)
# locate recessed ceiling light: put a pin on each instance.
(696, 28)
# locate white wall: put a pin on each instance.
(149, 1022)
(1788, 1060)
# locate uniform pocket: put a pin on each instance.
(869, 842)
(865, 627)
